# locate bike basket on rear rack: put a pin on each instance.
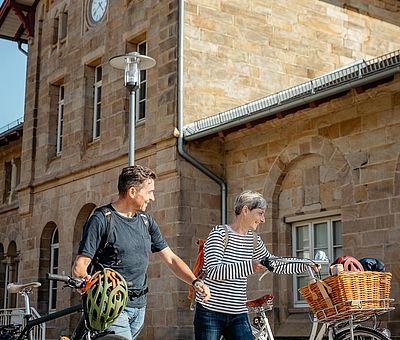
(348, 292)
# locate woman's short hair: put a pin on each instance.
(251, 199)
(134, 176)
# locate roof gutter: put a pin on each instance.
(180, 143)
(306, 93)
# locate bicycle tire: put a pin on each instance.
(362, 333)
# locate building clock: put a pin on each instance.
(96, 10)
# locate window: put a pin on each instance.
(7, 181)
(60, 26)
(142, 93)
(56, 23)
(310, 236)
(60, 118)
(11, 274)
(97, 102)
(63, 21)
(12, 175)
(53, 270)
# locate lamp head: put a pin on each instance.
(132, 63)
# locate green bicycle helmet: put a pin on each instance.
(106, 297)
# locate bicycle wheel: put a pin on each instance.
(362, 333)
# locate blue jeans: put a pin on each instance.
(129, 323)
(210, 325)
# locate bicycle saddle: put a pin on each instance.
(16, 288)
(260, 301)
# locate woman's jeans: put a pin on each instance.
(210, 325)
(129, 323)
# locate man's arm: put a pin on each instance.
(183, 272)
(79, 269)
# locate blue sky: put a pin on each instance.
(12, 81)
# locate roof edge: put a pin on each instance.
(343, 79)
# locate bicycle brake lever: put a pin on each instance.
(76, 283)
(267, 264)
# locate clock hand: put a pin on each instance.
(95, 12)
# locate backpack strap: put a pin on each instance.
(109, 227)
(255, 242)
(106, 210)
(255, 239)
(226, 239)
(104, 242)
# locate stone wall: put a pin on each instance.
(239, 51)
(341, 156)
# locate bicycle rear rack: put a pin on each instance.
(358, 313)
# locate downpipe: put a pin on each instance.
(180, 141)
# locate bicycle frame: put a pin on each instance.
(265, 333)
(26, 331)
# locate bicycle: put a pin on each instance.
(26, 330)
(341, 325)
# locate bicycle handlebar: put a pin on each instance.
(72, 282)
(312, 265)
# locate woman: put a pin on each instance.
(231, 254)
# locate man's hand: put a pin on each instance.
(203, 289)
(82, 291)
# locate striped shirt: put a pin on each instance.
(228, 267)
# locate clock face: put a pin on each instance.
(96, 10)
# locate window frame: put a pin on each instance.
(11, 274)
(141, 47)
(54, 246)
(311, 222)
(97, 90)
(63, 26)
(7, 181)
(60, 118)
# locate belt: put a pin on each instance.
(137, 292)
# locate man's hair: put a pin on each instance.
(134, 176)
(251, 199)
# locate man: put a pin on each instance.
(134, 236)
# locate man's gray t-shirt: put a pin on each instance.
(134, 241)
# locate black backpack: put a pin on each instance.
(106, 252)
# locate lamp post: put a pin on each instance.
(132, 63)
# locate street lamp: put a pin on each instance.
(132, 63)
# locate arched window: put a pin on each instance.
(54, 245)
(2, 274)
(11, 274)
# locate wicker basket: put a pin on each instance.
(347, 291)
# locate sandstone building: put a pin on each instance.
(299, 100)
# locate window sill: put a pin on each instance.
(141, 122)
(94, 141)
(7, 207)
(55, 157)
